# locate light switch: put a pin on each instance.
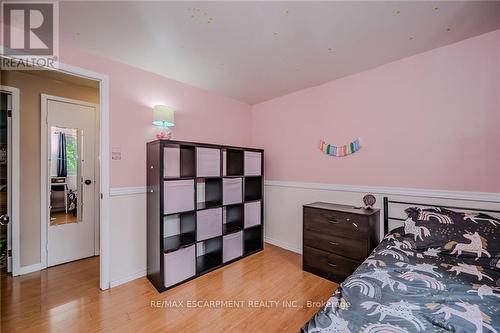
(116, 154)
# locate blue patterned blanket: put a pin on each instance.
(399, 289)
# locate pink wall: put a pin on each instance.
(200, 115)
(428, 121)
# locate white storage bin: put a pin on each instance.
(207, 162)
(252, 214)
(171, 225)
(179, 265)
(232, 246)
(253, 163)
(208, 223)
(178, 196)
(171, 162)
(232, 191)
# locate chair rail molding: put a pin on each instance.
(413, 192)
(406, 191)
(119, 191)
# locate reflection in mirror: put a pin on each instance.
(65, 189)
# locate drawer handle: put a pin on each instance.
(333, 221)
(355, 225)
(331, 265)
(333, 243)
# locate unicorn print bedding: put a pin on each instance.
(406, 286)
(465, 234)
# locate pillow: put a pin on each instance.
(462, 234)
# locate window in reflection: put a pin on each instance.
(64, 176)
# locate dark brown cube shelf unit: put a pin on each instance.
(204, 208)
(337, 238)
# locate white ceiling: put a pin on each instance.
(255, 51)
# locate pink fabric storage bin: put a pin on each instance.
(232, 246)
(232, 191)
(179, 265)
(252, 214)
(207, 162)
(171, 162)
(208, 223)
(253, 163)
(178, 196)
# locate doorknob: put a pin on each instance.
(88, 182)
(4, 219)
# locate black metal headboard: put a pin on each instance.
(387, 202)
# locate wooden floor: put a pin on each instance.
(62, 218)
(66, 299)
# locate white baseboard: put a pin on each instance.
(283, 245)
(129, 278)
(29, 269)
(404, 191)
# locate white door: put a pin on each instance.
(72, 131)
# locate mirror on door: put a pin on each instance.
(65, 166)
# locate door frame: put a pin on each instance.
(13, 166)
(104, 207)
(44, 173)
(104, 158)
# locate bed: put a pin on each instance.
(415, 282)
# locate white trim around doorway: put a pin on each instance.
(104, 207)
(104, 164)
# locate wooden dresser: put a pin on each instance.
(337, 238)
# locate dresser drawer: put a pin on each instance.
(328, 265)
(357, 249)
(336, 223)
